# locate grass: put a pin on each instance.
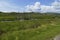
(46, 27)
(44, 33)
(15, 32)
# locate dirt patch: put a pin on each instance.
(57, 37)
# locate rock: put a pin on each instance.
(57, 37)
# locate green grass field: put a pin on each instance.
(40, 29)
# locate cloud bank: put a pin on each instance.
(37, 7)
(8, 7)
(34, 7)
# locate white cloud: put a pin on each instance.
(34, 7)
(37, 7)
(56, 6)
(8, 7)
(45, 8)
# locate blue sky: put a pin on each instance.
(23, 3)
(27, 5)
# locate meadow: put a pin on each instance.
(29, 26)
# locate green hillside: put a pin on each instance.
(29, 26)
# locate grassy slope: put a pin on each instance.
(44, 32)
(45, 28)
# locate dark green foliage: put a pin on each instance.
(27, 16)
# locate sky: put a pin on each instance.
(30, 5)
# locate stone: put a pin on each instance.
(57, 37)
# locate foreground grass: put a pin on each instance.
(47, 30)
